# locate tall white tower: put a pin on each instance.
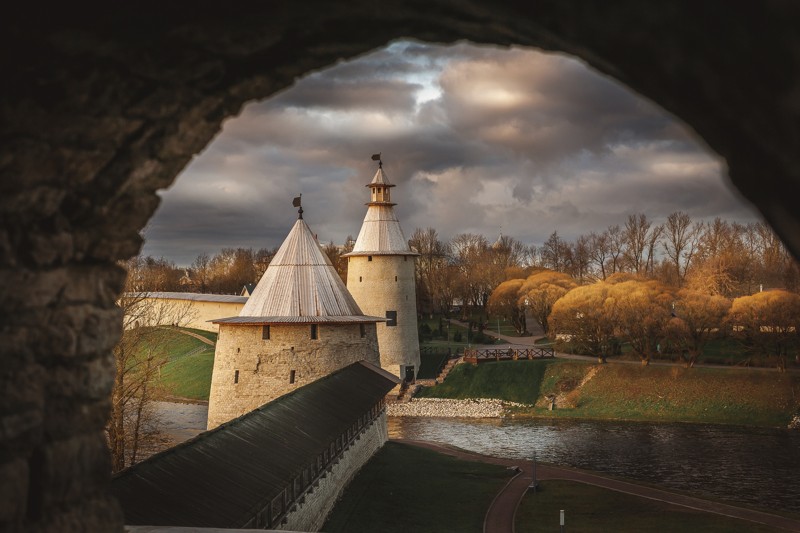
(380, 276)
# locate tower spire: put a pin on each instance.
(377, 157)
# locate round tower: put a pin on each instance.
(380, 276)
(299, 324)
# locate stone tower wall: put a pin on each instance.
(264, 366)
(386, 283)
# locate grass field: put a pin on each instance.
(630, 392)
(404, 488)
(590, 509)
(517, 381)
(189, 362)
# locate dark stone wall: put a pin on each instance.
(100, 108)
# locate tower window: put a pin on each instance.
(236, 376)
(369, 258)
(392, 316)
(265, 333)
(314, 332)
(291, 376)
(395, 278)
(359, 278)
(362, 329)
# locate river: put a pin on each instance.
(758, 466)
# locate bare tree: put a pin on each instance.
(635, 234)
(201, 272)
(681, 239)
(432, 258)
(599, 251)
(616, 249)
(139, 356)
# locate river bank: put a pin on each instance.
(585, 390)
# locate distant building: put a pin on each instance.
(380, 276)
(248, 289)
(300, 324)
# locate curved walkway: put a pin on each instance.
(500, 516)
(196, 336)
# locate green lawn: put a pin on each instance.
(189, 361)
(590, 509)
(517, 381)
(404, 488)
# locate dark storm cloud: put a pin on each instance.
(477, 138)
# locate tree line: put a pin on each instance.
(650, 316)
(720, 257)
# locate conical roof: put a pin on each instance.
(300, 285)
(380, 179)
(380, 233)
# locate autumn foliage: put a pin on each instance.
(768, 322)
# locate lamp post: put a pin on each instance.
(562, 520)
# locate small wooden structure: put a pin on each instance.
(507, 354)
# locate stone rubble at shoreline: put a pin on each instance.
(440, 407)
(795, 422)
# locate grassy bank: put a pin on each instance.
(630, 392)
(516, 381)
(404, 488)
(590, 509)
(188, 362)
(187, 372)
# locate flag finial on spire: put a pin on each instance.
(297, 203)
(377, 157)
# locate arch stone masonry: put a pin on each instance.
(101, 108)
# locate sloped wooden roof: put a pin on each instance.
(223, 476)
(380, 179)
(301, 282)
(380, 232)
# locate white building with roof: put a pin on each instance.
(299, 324)
(380, 276)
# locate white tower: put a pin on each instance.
(380, 276)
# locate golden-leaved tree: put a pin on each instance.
(541, 290)
(768, 323)
(639, 310)
(699, 318)
(505, 302)
(583, 315)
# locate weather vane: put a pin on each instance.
(296, 203)
(377, 157)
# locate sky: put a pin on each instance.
(477, 139)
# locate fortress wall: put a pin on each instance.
(311, 515)
(375, 289)
(198, 313)
(264, 366)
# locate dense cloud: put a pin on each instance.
(477, 139)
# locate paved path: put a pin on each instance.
(196, 336)
(500, 516)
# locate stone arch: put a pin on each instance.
(101, 109)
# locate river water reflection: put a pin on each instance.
(739, 464)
